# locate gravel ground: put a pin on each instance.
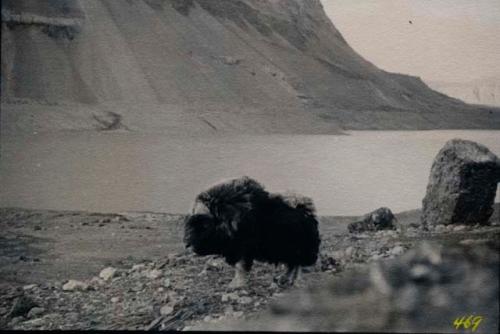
(136, 285)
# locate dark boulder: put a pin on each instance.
(462, 185)
(380, 219)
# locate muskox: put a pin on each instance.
(242, 222)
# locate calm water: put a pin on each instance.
(345, 175)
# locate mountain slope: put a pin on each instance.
(206, 65)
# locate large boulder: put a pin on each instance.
(380, 219)
(462, 185)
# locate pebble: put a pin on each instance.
(244, 300)
(107, 273)
(167, 283)
(138, 267)
(74, 285)
(229, 296)
(36, 312)
(115, 300)
(398, 250)
(153, 274)
(440, 228)
(459, 228)
(166, 310)
(238, 314)
(29, 287)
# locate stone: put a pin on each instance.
(138, 267)
(459, 228)
(153, 274)
(29, 287)
(380, 219)
(74, 285)
(115, 300)
(166, 310)
(229, 297)
(167, 283)
(462, 185)
(107, 273)
(35, 312)
(22, 306)
(244, 300)
(398, 250)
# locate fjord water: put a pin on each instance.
(113, 172)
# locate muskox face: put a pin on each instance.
(202, 232)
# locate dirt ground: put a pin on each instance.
(52, 262)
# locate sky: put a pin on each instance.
(447, 40)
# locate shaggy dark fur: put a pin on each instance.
(242, 222)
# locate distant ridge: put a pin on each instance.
(204, 66)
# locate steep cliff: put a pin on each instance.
(245, 65)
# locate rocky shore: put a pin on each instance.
(170, 288)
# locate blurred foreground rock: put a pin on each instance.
(424, 290)
(462, 185)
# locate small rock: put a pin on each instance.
(37, 228)
(153, 274)
(440, 228)
(238, 314)
(398, 250)
(35, 312)
(167, 283)
(166, 310)
(138, 267)
(29, 287)
(73, 285)
(229, 296)
(458, 228)
(207, 318)
(244, 300)
(107, 273)
(115, 300)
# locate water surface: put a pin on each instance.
(112, 172)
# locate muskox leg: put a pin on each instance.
(291, 275)
(241, 274)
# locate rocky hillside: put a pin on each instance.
(203, 65)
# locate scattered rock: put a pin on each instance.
(166, 310)
(244, 300)
(167, 283)
(29, 287)
(380, 219)
(462, 185)
(398, 250)
(138, 267)
(153, 274)
(74, 285)
(107, 273)
(115, 300)
(459, 228)
(35, 312)
(229, 297)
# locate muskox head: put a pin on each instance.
(202, 232)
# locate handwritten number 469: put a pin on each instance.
(466, 322)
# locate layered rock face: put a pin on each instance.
(462, 185)
(245, 65)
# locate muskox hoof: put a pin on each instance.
(290, 278)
